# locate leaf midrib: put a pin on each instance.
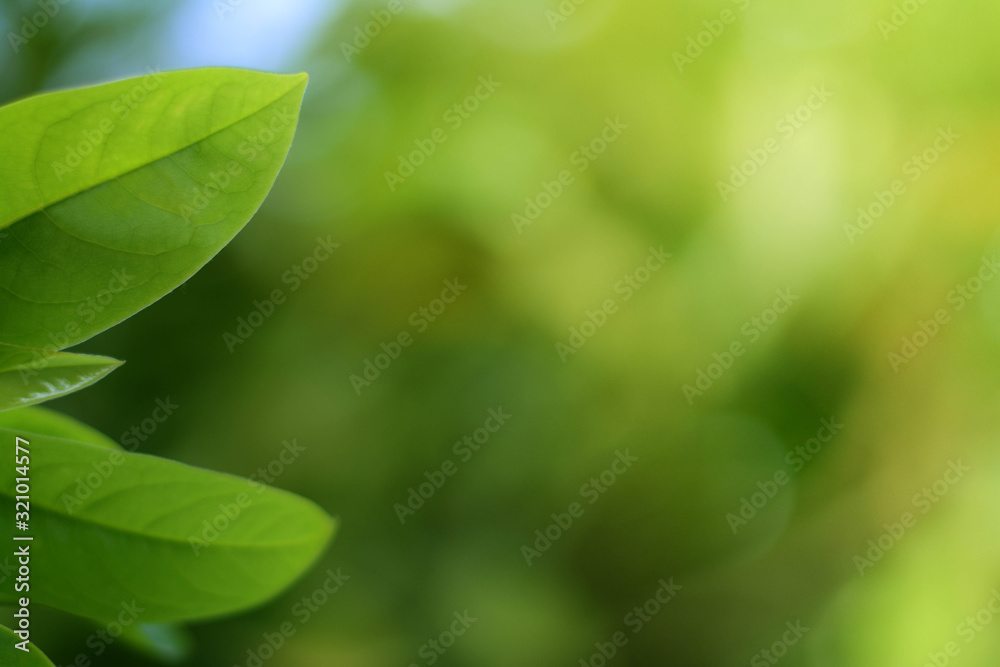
(172, 541)
(295, 80)
(330, 523)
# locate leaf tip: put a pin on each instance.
(299, 79)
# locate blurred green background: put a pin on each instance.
(605, 132)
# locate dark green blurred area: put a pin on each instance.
(655, 185)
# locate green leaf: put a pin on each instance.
(15, 657)
(113, 529)
(116, 194)
(30, 375)
(166, 643)
(43, 421)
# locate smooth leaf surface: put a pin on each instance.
(30, 375)
(112, 528)
(163, 642)
(13, 657)
(42, 421)
(114, 195)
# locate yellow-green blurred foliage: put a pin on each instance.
(792, 226)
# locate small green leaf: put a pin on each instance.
(11, 656)
(43, 421)
(114, 195)
(114, 530)
(29, 375)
